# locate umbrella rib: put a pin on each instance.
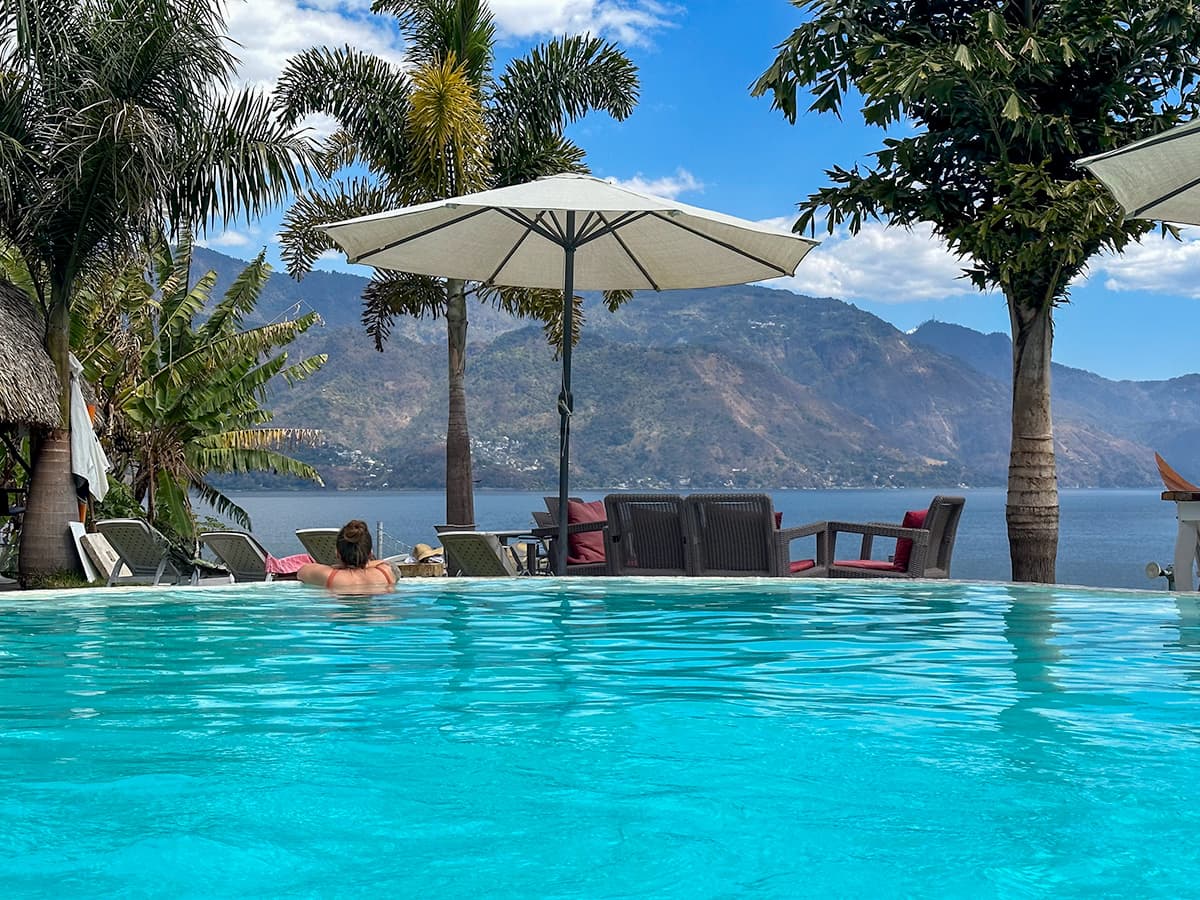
(530, 226)
(534, 225)
(720, 243)
(420, 234)
(1164, 198)
(614, 230)
(606, 227)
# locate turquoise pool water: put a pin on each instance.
(539, 738)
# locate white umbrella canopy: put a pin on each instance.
(569, 233)
(516, 236)
(1155, 178)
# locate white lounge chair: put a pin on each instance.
(146, 553)
(103, 557)
(479, 554)
(240, 553)
(320, 544)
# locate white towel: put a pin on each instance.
(87, 456)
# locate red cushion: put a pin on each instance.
(881, 564)
(587, 546)
(914, 518)
(778, 520)
(801, 565)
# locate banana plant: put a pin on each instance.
(182, 381)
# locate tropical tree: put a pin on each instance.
(116, 117)
(444, 126)
(993, 103)
(184, 400)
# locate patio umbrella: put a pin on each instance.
(569, 233)
(1155, 178)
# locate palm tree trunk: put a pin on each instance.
(1032, 510)
(460, 497)
(46, 544)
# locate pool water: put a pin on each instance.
(601, 738)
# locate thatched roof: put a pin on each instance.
(28, 382)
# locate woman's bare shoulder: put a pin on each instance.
(313, 573)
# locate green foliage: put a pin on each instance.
(117, 116)
(185, 398)
(994, 104)
(460, 129)
(58, 579)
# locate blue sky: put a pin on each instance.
(698, 135)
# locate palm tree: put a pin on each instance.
(445, 127)
(183, 402)
(117, 118)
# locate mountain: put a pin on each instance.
(335, 296)
(740, 387)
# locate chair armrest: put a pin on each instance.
(784, 537)
(574, 528)
(869, 530)
(799, 531)
(878, 529)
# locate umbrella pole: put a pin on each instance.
(566, 402)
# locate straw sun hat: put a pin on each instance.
(422, 552)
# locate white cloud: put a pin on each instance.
(269, 32)
(668, 186)
(886, 265)
(628, 21)
(1157, 265)
(227, 239)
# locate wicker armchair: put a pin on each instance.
(546, 529)
(647, 534)
(735, 535)
(924, 544)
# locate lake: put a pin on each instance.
(1106, 537)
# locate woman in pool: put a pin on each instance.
(357, 571)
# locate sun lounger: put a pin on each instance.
(480, 554)
(320, 543)
(240, 553)
(147, 555)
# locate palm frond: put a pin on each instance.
(519, 157)
(261, 439)
(368, 97)
(297, 372)
(338, 151)
(235, 460)
(220, 503)
(303, 241)
(433, 30)
(239, 160)
(562, 80)
(447, 134)
(239, 299)
(389, 294)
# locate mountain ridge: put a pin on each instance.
(741, 387)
